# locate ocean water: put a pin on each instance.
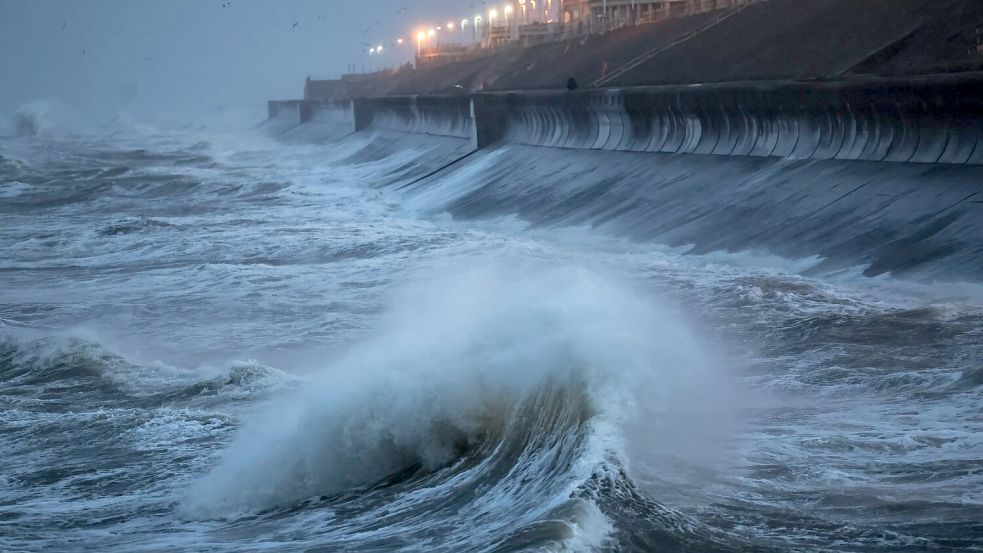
(215, 342)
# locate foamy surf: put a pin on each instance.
(286, 348)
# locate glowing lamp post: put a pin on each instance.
(508, 19)
(421, 36)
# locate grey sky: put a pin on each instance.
(172, 57)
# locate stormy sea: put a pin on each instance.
(221, 341)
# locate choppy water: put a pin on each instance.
(224, 344)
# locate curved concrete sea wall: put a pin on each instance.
(929, 121)
(277, 109)
(322, 121)
(880, 176)
(283, 115)
(310, 120)
(435, 115)
(932, 120)
(336, 112)
(425, 134)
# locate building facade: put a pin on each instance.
(600, 14)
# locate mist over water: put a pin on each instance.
(214, 341)
(182, 60)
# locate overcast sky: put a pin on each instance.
(176, 56)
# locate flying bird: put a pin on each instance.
(294, 26)
(227, 5)
(64, 24)
(84, 52)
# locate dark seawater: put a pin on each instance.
(218, 343)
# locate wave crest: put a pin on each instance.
(509, 384)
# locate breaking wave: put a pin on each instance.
(500, 396)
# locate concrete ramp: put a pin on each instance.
(910, 220)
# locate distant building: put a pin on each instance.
(600, 14)
(620, 12)
(446, 53)
(529, 22)
(574, 10)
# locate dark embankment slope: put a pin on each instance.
(770, 40)
(821, 39)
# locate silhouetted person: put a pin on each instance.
(571, 84)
